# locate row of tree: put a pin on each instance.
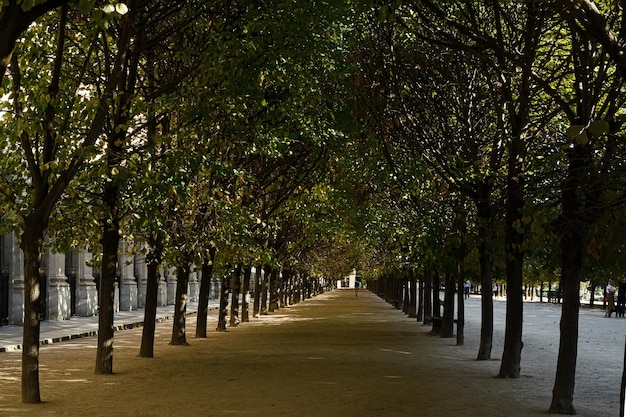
(202, 131)
(502, 124)
(423, 136)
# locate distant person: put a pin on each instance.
(610, 299)
(621, 300)
(356, 289)
(467, 287)
(495, 289)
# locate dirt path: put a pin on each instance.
(335, 355)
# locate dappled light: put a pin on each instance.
(327, 349)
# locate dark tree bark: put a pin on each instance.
(420, 299)
(484, 214)
(447, 322)
(110, 198)
(234, 298)
(512, 355)
(460, 326)
(460, 255)
(110, 243)
(406, 299)
(179, 335)
(574, 228)
(572, 249)
(428, 301)
(14, 20)
(412, 294)
(245, 306)
(32, 239)
(203, 302)
(258, 277)
(223, 309)
(436, 295)
(153, 262)
(265, 290)
(274, 285)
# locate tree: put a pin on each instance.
(15, 18)
(54, 153)
(591, 100)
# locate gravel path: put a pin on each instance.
(334, 355)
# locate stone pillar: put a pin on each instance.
(193, 287)
(128, 285)
(171, 285)
(87, 292)
(214, 289)
(15, 258)
(59, 297)
(141, 272)
(162, 294)
(116, 297)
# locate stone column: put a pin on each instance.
(171, 285)
(59, 297)
(15, 258)
(141, 272)
(128, 285)
(193, 287)
(87, 292)
(162, 294)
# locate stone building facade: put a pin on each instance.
(69, 285)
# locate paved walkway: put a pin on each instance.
(77, 327)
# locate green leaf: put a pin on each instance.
(85, 6)
(598, 128)
(574, 131)
(582, 139)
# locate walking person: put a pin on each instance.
(467, 286)
(610, 299)
(495, 289)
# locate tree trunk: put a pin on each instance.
(153, 260)
(420, 299)
(436, 294)
(245, 306)
(31, 242)
(264, 290)
(203, 302)
(110, 244)
(406, 300)
(574, 233)
(179, 336)
(514, 239)
(447, 323)
(412, 294)
(258, 277)
(273, 290)
(234, 297)
(460, 326)
(484, 214)
(460, 254)
(428, 301)
(572, 248)
(223, 309)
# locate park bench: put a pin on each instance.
(436, 322)
(554, 296)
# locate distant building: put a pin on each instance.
(350, 281)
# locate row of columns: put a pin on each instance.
(58, 296)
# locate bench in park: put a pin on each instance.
(436, 322)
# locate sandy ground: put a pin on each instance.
(334, 355)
